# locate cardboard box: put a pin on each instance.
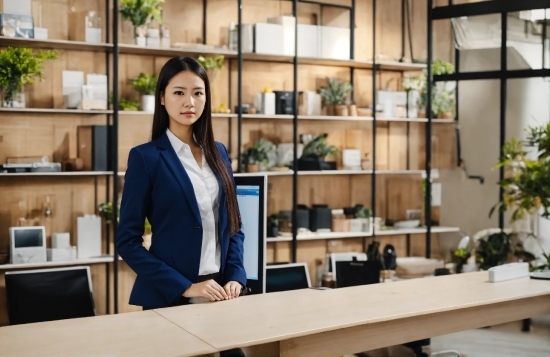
(79, 31)
(309, 103)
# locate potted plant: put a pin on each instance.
(443, 104)
(211, 63)
(314, 154)
(365, 215)
(273, 225)
(141, 13)
(335, 96)
(257, 157)
(460, 258)
(145, 85)
(19, 66)
(443, 101)
(494, 250)
(526, 184)
(128, 104)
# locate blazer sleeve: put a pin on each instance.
(234, 267)
(136, 199)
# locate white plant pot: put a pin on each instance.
(141, 41)
(148, 103)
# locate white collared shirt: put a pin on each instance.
(206, 188)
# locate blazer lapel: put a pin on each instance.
(175, 166)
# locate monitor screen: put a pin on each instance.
(286, 277)
(49, 294)
(28, 237)
(251, 199)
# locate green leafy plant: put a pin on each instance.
(362, 212)
(460, 258)
(259, 152)
(527, 181)
(141, 12)
(144, 84)
(274, 220)
(19, 66)
(443, 100)
(320, 148)
(211, 62)
(106, 211)
(494, 250)
(128, 104)
(336, 92)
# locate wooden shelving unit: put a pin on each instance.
(65, 263)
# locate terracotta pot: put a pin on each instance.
(330, 109)
(421, 114)
(447, 115)
(253, 168)
(352, 110)
(341, 110)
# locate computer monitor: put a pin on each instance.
(49, 294)
(286, 277)
(251, 197)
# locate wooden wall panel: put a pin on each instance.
(418, 246)
(397, 146)
(402, 193)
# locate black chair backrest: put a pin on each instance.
(358, 273)
(49, 294)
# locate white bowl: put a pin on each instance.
(406, 224)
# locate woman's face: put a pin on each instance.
(184, 98)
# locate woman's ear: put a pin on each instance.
(162, 98)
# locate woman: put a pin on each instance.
(183, 183)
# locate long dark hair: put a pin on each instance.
(202, 129)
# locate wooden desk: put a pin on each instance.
(131, 334)
(342, 321)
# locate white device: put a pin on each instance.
(265, 103)
(508, 272)
(59, 254)
(61, 240)
(89, 236)
(28, 244)
(288, 23)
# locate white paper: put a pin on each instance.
(72, 82)
(436, 194)
(99, 84)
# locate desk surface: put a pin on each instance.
(261, 319)
(131, 334)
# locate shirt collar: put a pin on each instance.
(177, 144)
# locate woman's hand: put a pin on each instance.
(207, 289)
(233, 289)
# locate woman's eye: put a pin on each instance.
(199, 93)
(178, 92)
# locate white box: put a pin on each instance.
(268, 39)
(59, 254)
(40, 33)
(356, 225)
(288, 23)
(309, 103)
(247, 38)
(265, 103)
(17, 7)
(351, 159)
(89, 236)
(27, 244)
(309, 44)
(61, 240)
(335, 42)
(508, 272)
(99, 84)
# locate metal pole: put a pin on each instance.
(239, 86)
(352, 30)
(374, 65)
(114, 149)
(403, 32)
(544, 41)
(204, 24)
(295, 138)
(503, 82)
(429, 81)
(107, 180)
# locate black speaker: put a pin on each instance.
(302, 215)
(320, 217)
(284, 101)
(94, 147)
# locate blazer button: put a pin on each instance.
(198, 227)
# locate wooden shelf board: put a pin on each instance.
(173, 51)
(55, 44)
(266, 173)
(418, 230)
(334, 172)
(98, 260)
(332, 117)
(399, 66)
(400, 172)
(55, 111)
(268, 117)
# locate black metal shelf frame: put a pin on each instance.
(502, 7)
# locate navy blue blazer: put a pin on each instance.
(158, 187)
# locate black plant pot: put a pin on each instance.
(314, 163)
(272, 231)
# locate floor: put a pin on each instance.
(497, 341)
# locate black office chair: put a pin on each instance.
(354, 273)
(49, 294)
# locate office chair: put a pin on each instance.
(49, 294)
(354, 273)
